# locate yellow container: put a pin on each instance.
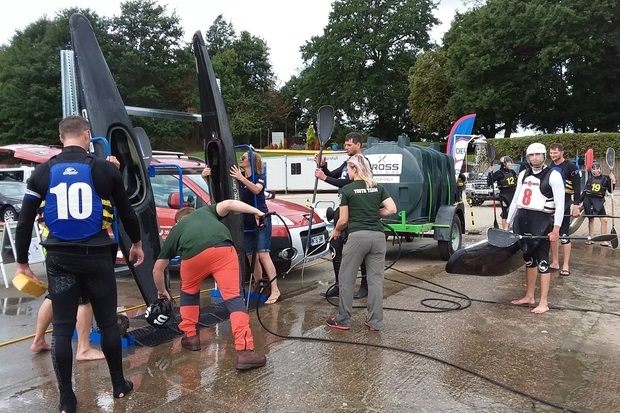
(29, 285)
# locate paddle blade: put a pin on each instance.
(589, 159)
(576, 223)
(610, 157)
(601, 238)
(500, 238)
(325, 123)
(491, 150)
(614, 242)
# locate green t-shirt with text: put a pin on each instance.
(364, 204)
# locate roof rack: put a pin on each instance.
(168, 153)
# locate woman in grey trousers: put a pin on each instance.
(362, 205)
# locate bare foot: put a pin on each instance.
(523, 301)
(37, 347)
(90, 354)
(541, 309)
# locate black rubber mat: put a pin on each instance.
(150, 336)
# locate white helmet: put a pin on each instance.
(536, 148)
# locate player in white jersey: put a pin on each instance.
(537, 209)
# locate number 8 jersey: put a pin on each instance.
(536, 193)
(73, 210)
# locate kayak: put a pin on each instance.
(218, 142)
(485, 259)
(102, 103)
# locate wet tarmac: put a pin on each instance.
(451, 343)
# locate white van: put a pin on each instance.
(16, 173)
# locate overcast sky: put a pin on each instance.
(267, 19)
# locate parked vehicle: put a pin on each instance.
(479, 191)
(286, 253)
(16, 174)
(11, 196)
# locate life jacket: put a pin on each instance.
(597, 186)
(536, 192)
(73, 210)
(508, 179)
(566, 177)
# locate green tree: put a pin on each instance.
(544, 64)
(361, 62)
(30, 96)
(219, 36)
(590, 65)
(429, 88)
(310, 137)
(152, 66)
(246, 81)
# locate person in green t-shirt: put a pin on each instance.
(362, 205)
(206, 248)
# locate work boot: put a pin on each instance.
(363, 291)
(248, 359)
(191, 343)
(332, 291)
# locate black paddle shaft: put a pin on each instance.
(504, 239)
(610, 157)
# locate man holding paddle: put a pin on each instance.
(339, 177)
(537, 209)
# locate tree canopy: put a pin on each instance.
(361, 62)
(538, 64)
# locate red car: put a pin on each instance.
(286, 252)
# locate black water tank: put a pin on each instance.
(419, 179)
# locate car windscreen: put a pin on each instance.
(198, 180)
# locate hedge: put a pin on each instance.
(574, 144)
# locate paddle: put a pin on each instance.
(610, 157)
(325, 126)
(491, 150)
(504, 239)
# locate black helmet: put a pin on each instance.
(596, 165)
(159, 313)
(505, 159)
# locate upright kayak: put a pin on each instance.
(105, 109)
(219, 145)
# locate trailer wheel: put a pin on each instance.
(447, 248)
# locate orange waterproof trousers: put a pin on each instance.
(223, 264)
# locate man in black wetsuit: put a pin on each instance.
(339, 177)
(78, 190)
(572, 188)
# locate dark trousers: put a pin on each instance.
(337, 244)
(71, 273)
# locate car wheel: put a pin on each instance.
(9, 214)
(447, 248)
